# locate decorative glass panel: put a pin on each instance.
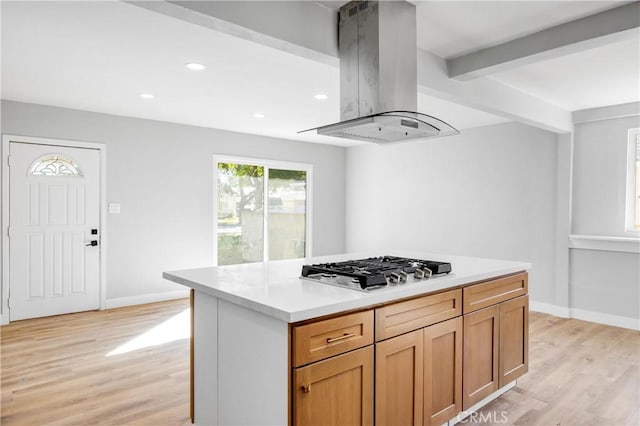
(55, 165)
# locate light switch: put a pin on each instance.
(114, 208)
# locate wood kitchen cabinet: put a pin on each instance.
(442, 371)
(481, 347)
(335, 391)
(496, 341)
(514, 339)
(333, 384)
(420, 361)
(419, 374)
(399, 380)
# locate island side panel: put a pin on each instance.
(253, 367)
(205, 357)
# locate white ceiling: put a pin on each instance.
(597, 77)
(99, 56)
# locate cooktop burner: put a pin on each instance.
(375, 272)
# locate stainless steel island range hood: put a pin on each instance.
(378, 76)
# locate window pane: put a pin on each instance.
(287, 213)
(240, 224)
(55, 165)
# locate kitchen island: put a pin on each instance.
(269, 348)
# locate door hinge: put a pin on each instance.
(9, 231)
(9, 302)
(9, 160)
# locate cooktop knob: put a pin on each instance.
(427, 272)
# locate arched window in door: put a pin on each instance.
(55, 165)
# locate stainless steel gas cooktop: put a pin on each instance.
(375, 272)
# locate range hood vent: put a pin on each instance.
(378, 76)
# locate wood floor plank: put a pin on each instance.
(56, 371)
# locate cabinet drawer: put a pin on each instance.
(489, 293)
(322, 339)
(402, 317)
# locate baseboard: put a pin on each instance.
(584, 315)
(607, 319)
(141, 299)
(4, 319)
(547, 308)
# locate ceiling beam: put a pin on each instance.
(302, 28)
(491, 96)
(620, 23)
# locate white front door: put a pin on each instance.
(54, 215)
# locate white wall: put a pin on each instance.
(599, 176)
(606, 283)
(489, 192)
(494, 191)
(162, 175)
(603, 283)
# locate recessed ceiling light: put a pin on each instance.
(258, 115)
(321, 96)
(195, 66)
(147, 95)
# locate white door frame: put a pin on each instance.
(102, 148)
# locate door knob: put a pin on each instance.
(92, 243)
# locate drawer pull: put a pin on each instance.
(306, 388)
(343, 337)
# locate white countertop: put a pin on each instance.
(275, 289)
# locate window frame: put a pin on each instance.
(267, 164)
(631, 209)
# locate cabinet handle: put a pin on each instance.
(306, 388)
(337, 339)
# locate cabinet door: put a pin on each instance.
(442, 371)
(514, 339)
(480, 362)
(399, 380)
(336, 391)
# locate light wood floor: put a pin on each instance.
(580, 373)
(55, 371)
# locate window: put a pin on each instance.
(252, 227)
(633, 181)
(54, 165)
